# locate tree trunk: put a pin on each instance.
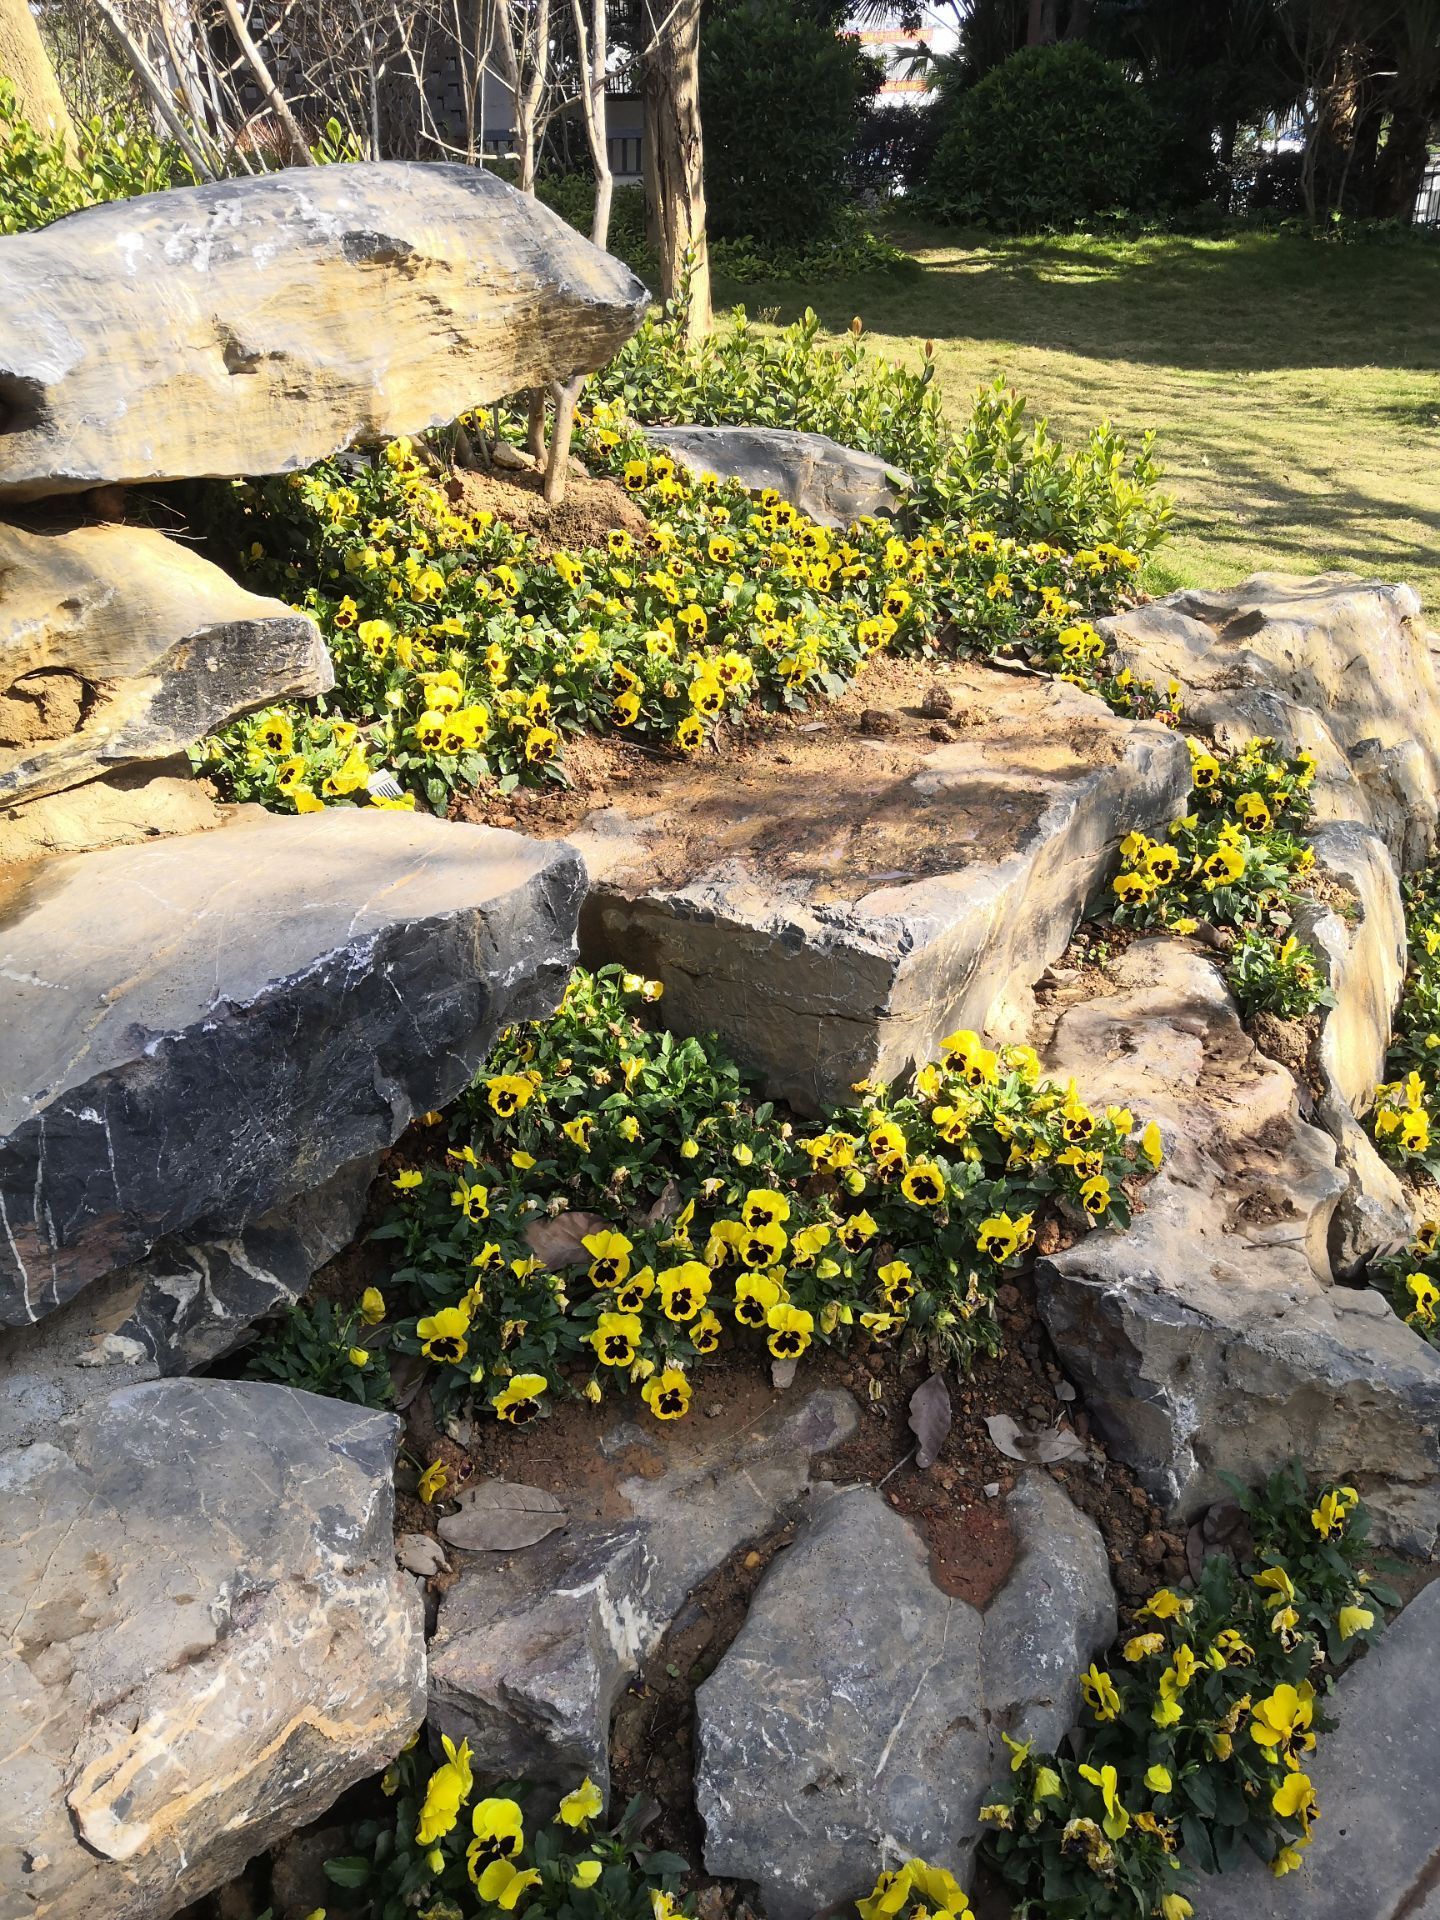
(1040, 30)
(675, 153)
(26, 65)
(1400, 164)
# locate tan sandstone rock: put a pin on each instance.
(1209, 1337)
(119, 646)
(205, 1640)
(1343, 666)
(143, 803)
(257, 325)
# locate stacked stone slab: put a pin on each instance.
(212, 1019)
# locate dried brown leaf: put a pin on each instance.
(499, 1516)
(930, 1419)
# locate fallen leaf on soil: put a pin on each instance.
(497, 1516)
(667, 1206)
(1041, 1449)
(407, 1376)
(930, 1419)
(557, 1242)
(418, 1553)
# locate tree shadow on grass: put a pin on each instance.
(1259, 302)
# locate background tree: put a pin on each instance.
(26, 65)
(675, 152)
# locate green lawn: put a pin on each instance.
(1295, 385)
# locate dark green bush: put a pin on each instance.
(1055, 137)
(780, 94)
(572, 195)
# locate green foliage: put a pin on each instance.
(780, 94)
(572, 196)
(1195, 1742)
(1056, 137)
(1401, 1122)
(699, 1215)
(117, 159)
(738, 375)
(450, 1851)
(1410, 1281)
(324, 1351)
(1234, 860)
(1282, 977)
(1015, 477)
(852, 247)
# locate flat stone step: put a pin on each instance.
(833, 903)
(196, 1030)
(857, 1718)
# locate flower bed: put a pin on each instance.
(1196, 1739)
(610, 1205)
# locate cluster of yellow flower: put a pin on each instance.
(464, 652)
(706, 1215)
(1203, 1744)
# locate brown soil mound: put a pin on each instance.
(591, 507)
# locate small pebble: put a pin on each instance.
(752, 1560)
(992, 1490)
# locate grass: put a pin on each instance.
(1295, 384)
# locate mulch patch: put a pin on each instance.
(592, 506)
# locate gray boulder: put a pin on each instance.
(532, 1650)
(1209, 1338)
(1337, 664)
(834, 485)
(206, 1640)
(1377, 1776)
(856, 1719)
(176, 1311)
(833, 908)
(1054, 1612)
(119, 646)
(242, 1013)
(258, 325)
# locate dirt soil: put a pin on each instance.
(591, 508)
(828, 797)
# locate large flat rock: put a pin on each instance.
(1342, 666)
(119, 646)
(833, 904)
(831, 483)
(258, 325)
(1377, 1775)
(205, 1640)
(1209, 1338)
(856, 1720)
(196, 1030)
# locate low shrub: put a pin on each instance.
(1196, 1740)
(612, 1204)
(781, 92)
(1056, 136)
(117, 158)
